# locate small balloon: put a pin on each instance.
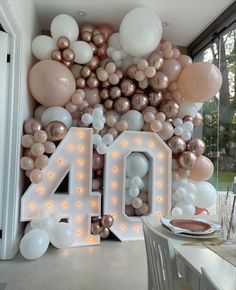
(107, 221)
(56, 131)
(187, 159)
(32, 125)
(98, 161)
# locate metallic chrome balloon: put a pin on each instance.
(63, 42)
(122, 105)
(159, 81)
(155, 60)
(32, 125)
(177, 144)
(155, 98)
(187, 159)
(56, 131)
(170, 108)
(139, 101)
(196, 146)
(128, 87)
(56, 55)
(96, 228)
(107, 221)
(104, 233)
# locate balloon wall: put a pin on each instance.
(112, 82)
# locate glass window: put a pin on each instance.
(219, 128)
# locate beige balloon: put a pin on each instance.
(202, 170)
(51, 83)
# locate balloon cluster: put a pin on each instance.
(43, 230)
(101, 224)
(128, 80)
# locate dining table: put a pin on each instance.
(192, 254)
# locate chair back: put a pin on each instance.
(207, 283)
(162, 269)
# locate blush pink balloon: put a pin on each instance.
(199, 82)
(199, 210)
(98, 161)
(102, 51)
(106, 29)
(184, 61)
(202, 170)
(51, 83)
(171, 68)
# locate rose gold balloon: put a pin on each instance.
(63, 42)
(108, 104)
(86, 36)
(155, 60)
(170, 108)
(159, 81)
(106, 29)
(187, 159)
(167, 131)
(68, 64)
(175, 95)
(137, 202)
(155, 98)
(27, 163)
(27, 140)
(120, 73)
(127, 87)
(196, 146)
(96, 228)
(105, 233)
(36, 176)
(197, 120)
(102, 51)
(115, 92)
(98, 161)
(94, 62)
(87, 27)
(144, 196)
(131, 71)
(107, 221)
(202, 170)
(150, 109)
(92, 82)
(171, 68)
(122, 105)
(41, 161)
(199, 82)
(50, 147)
(96, 219)
(86, 72)
(183, 173)
(188, 118)
(139, 101)
(175, 164)
(68, 55)
(51, 83)
(184, 61)
(56, 131)
(176, 144)
(98, 39)
(94, 47)
(56, 55)
(32, 125)
(104, 94)
(129, 210)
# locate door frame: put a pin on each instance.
(11, 229)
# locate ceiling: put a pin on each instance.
(187, 19)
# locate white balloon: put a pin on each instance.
(43, 46)
(127, 182)
(64, 25)
(190, 198)
(114, 41)
(39, 111)
(188, 125)
(98, 125)
(134, 120)
(55, 217)
(28, 228)
(178, 122)
(181, 192)
(128, 198)
(134, 191)
(107, 139)
(177, 197)
(87, 119)
(34, 244)
(177, 211)
(186, 136)
(187, 208)
(206, 194)
(137, 164)
(35, 223)
(83, 52)
(178, 130)
(97, 139)
(140, 31)
(62, 235)
(136, 181)
(188, 109)
(97, 113)
(56, 113)
(190, 187)
(102, 148)
(46, 223)
(43, 212)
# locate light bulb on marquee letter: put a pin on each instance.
(80, 202)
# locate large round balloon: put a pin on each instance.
(64, 25)
(202, 170)
(56, 113)
(199, 82)
(51, 83)
(34, 244)
(62, 235)
(140, 31)
(43, 46)
(83, 52)
(206, 195)
(137, 165)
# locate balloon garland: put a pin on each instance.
(112, 82)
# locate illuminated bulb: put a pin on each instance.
(80, 189)
(115, 154)
(160, 155)
(51, 175)
(80, 134)
(78, 218)
(159, 184)
(114, 185)
(138, 141)
(122, 227)
(69, 147)
(160, 170)
(158, 213)
(115, 170)
(136, 228)
(93, 204)
(80, 175)
(125, 143)
(150, 144)
(81, 148)
(113, 215)
(49, 205)
(40, 189)
(79, 233)
(91, 239)
(113, 200)
(33, 206)
(61, 161)
(78, 204)
(64, 204)
(159, 199)
(80, 162)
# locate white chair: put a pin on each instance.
(161, 262)
(207, 283)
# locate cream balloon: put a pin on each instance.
(206, 195)
(51, 83)
(199, 82)
(202, 170)
(57, 113)
(83, 52)
(43, 46)
(64, 25)
(140, 31)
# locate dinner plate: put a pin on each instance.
(191, 225)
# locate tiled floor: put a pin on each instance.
(111, 266)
